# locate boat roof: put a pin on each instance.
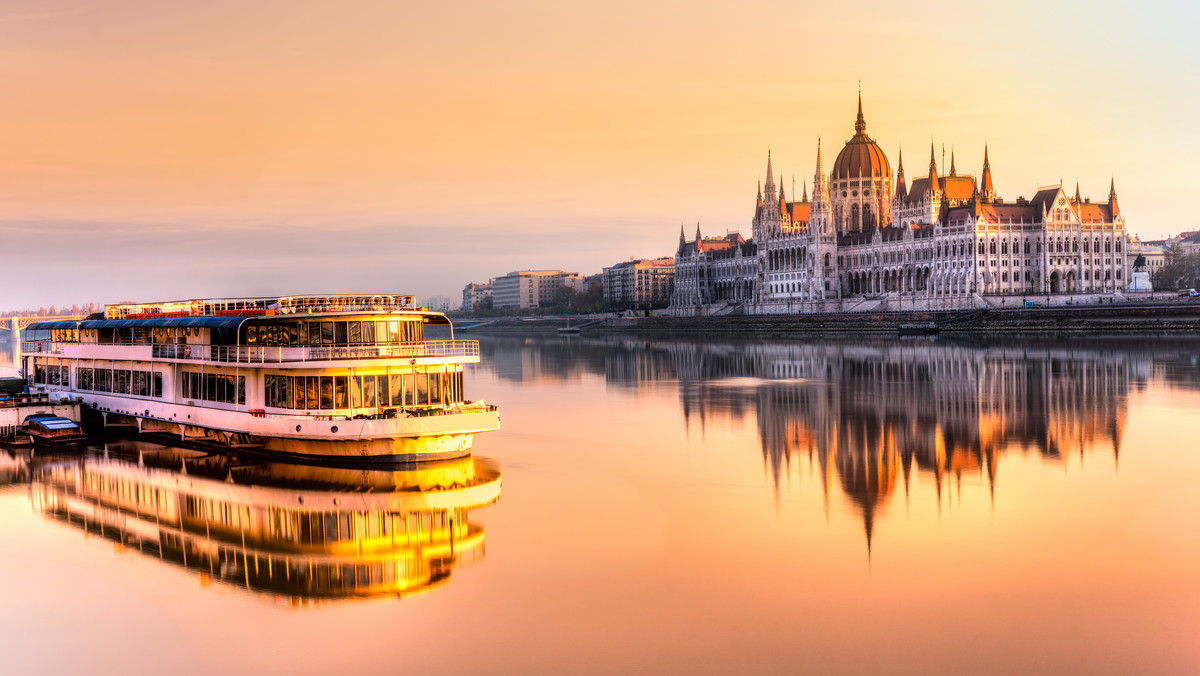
(52, 422)
(172, 322)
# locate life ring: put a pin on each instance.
(197, 307)
(187, 350)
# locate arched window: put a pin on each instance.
(867, 221)
(1085, 246)
(1075, 244)
(1026, 247)
(1004, 247)
(827, 259)
(1118, 251)
(1107, 245)
(981, 247)
(992, 246)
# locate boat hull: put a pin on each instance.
(404, 438)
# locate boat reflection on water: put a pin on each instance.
(301, 532)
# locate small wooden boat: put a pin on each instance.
(47, 429)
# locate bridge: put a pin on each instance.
(11, 327)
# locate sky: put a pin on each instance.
(160, 150)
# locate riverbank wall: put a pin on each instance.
(1176, 319)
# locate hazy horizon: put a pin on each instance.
(246, 148)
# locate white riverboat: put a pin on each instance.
(318, 376)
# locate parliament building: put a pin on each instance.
(871, 240)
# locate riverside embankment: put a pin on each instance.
(1182, 318)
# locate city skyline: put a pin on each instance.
(235, 150)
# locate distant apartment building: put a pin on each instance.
(533, 288)
(640, 283)
(476, 296)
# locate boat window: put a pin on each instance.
(290, 329)
(369, 399)
(327, 333)
(298, 394)
(394, 332)
(368, 332)
(356, 332)
(356, 392)
(312, 384)
(397, 389)
(251, 335)
(381, 332)
(326, 392)
(215, 387)
(384, 399)
(340, 392)
(422, 389)
(339, 333)
(302, 333)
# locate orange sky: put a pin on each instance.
(455, 143)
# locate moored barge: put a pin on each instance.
(329, 377)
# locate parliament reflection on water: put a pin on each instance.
(869, 413)
(297, 532)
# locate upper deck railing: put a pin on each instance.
(274, 305)
(255, 354)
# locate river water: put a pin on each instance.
(859, 505)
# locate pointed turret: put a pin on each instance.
(953, 171)
(989, 192)
(820, 182)
(933, 174)
(1112, 197)
(901, 186)
(769, 195)
(1078, 199)
(759, 193)
(697, 235)
(805, 198)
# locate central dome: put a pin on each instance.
(861, 156)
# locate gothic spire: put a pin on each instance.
(933, 175)
(805, 198)
(952, 170)
(1112, 197)
(1078, 199)
(901, 185)
(769, 194)
(988, 190)
(820, 167)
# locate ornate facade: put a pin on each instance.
(869, 240)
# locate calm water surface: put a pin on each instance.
(894, 506)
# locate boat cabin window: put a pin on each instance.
(414, 390)
(348, 332)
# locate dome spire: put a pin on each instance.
(860, 125)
